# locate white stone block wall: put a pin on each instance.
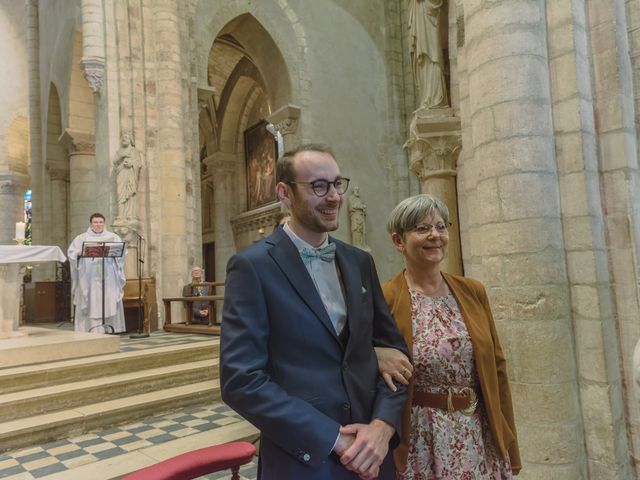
(512, 232)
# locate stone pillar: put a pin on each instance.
(223, 166)
(171, 239)
(510, 209)
(286, 120)
(93, 48)
(58, 182)
(35, 139)
(82, 178)
(433, 154)
(12, 188)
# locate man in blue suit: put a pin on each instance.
(301, 316)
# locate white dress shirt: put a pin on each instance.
(326, 279)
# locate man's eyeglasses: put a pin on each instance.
(425, 229)
(321, 187)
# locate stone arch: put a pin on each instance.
(272, 35)
(247, 78)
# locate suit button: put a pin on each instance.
(345, 366)
(306, 457)
(346, 406)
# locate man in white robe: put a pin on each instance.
(86, 278)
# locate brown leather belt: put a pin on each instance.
(466, 401)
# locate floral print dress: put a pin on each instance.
(443, 445)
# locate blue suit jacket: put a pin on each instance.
(283, 367)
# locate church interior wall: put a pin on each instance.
(14, 178)
(546, 181)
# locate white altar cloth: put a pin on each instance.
(31, 254)
(11, 258)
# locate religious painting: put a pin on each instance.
(261, 152)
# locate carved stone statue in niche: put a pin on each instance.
(127, 164)
(357, 218)
(427, 59)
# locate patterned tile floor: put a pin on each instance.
(63, 455)
(156, 339)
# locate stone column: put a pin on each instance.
(510, 209)
(58, 184)
(223, 166)
(35, 139)
(433, 155)
(82, 178)
(93, 48)
(286, 120)
(171, 239)
(12, 188)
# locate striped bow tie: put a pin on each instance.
(327, 253)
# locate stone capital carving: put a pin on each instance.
(205, 96)
(7, 187)
(285, 119)
(221, 164)
(434, 145)
(435, 156)
(93, 68)
(58, 171)
(263, 217)
(13, 183)
(78, 142)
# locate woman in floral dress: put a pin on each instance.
(458, 422)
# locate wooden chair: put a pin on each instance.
(149, 304)
(199, 462)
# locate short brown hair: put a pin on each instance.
(96, 215)
(284, 170)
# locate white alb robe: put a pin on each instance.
(86, 289)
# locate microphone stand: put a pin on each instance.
(139, 262)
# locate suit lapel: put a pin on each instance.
(352, 283)
(286, 255)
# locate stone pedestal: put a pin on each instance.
(10, 281)
(433, 149)
(129, 232)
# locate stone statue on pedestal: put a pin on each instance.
(128, 163)
(427, 59)
(357, 218)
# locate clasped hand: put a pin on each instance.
(363, 447)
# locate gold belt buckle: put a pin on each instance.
(473, 401)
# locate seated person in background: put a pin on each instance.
(200, 310)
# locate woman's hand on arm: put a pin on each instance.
(393, 365)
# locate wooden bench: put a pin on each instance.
(212, 327)
(198, 463)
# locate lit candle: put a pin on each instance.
(20, 230)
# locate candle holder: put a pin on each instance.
(19, 241)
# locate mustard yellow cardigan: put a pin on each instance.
(490, 362)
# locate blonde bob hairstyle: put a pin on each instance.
(413, 210)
